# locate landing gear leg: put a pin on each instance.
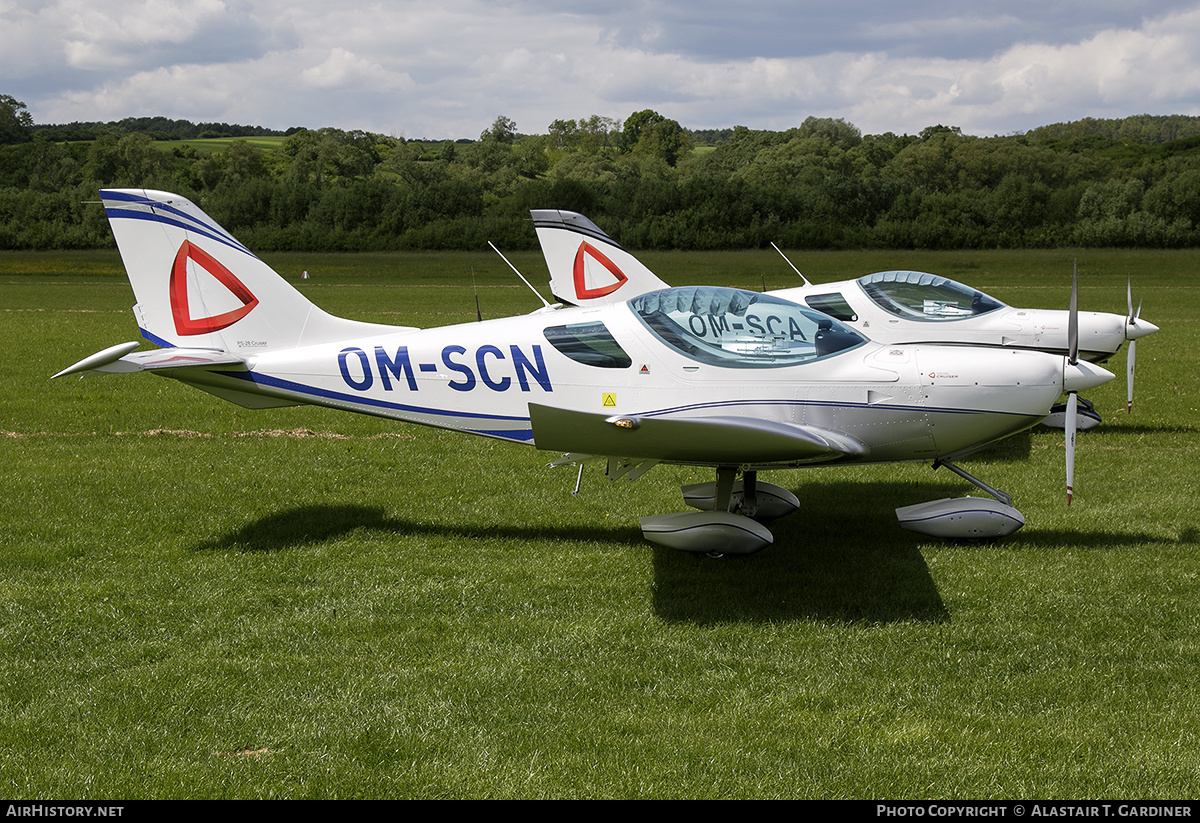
(749, 496)
(1003, 497)
(749, 505)
(723, 498)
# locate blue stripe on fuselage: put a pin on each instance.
(516, 434)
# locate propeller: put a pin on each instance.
(1080, 376)
(1135, 328)
(1131, 355)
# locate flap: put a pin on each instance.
(697, 440)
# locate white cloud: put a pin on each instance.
(108, 33)
(448, 69)
(343, 68)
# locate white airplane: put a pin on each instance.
(890, 307)
(732, 380)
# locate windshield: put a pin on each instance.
(919, 296)
(741, 329)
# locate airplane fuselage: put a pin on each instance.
(929, 320)
(900, 402)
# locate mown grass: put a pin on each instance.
(204, 601)
(211, 145)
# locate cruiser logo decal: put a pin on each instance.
(583, 270)
(185, 322)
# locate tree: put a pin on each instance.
(638, 122)
(15, 122)
(596, 133)
(244, 161)
(930, 131)
(1176, 196)
(841, 133)
(648, 132)
(564, 134)
(502, 130)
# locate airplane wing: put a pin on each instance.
(121, 359)
(696, 440)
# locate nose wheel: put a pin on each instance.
(963, 518)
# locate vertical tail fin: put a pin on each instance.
(586, 265)
(198, 287)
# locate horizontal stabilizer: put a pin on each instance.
(693, 440)
(101, 361)
(121, 359)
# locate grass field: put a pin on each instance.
(211, 145)
(198, 601)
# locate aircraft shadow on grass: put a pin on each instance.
(850, 564)
(824, 568)
(303, 526)
(845, 561)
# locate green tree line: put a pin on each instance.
(646, 180)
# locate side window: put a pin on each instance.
(832, 304)
(588, 343)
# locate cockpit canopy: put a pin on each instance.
(741, 329)
(916, 295)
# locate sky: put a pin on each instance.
(446, 69)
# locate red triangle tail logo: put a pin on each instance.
(185, 323)
(581, 287)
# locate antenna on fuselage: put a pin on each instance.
(514, 268)
(478, 313)
(789, 262)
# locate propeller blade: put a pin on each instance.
(1131, 316)
(1072, 410)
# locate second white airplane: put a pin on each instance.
(890, 307)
